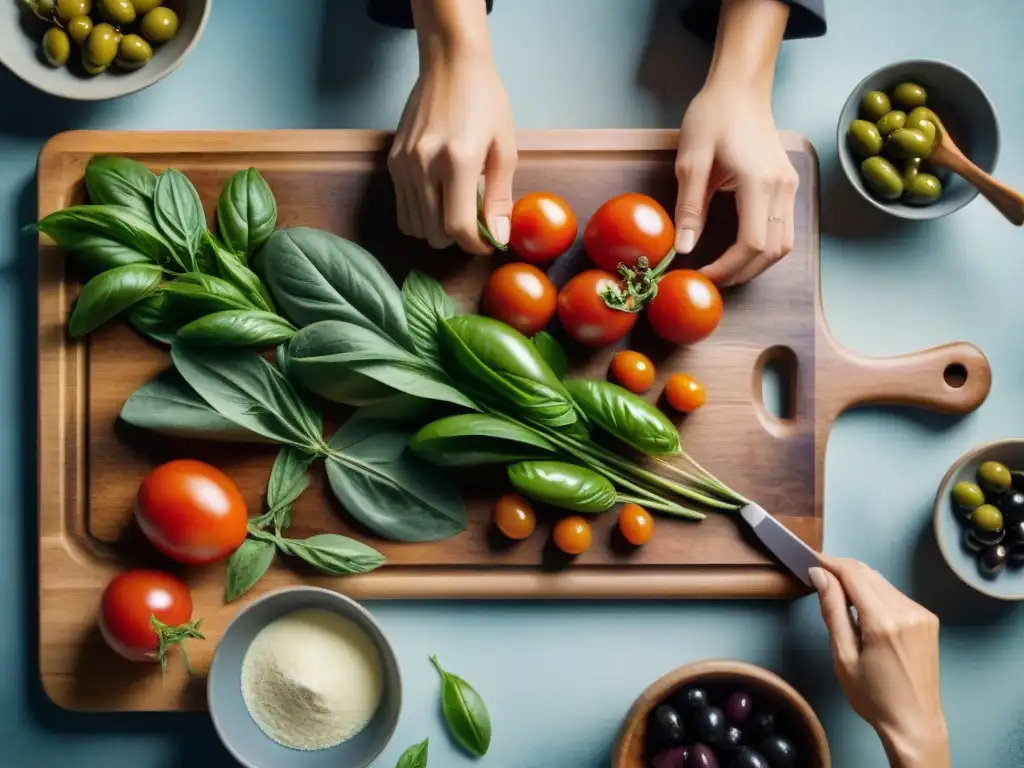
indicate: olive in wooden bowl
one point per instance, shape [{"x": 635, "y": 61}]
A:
[{"x": 721, "y": 714}]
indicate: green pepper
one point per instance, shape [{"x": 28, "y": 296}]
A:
[
  {"x": 469, "y": 439},
  {"x": 622, "y": 414},
  {"x": 563, "y": 485}
]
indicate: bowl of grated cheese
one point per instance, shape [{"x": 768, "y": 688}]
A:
[{"x": 304, "y": 678}]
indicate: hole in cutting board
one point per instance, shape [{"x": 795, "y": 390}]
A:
[
  {"x": 955, "y": 375},
  {"x": 775, "y": 372}
]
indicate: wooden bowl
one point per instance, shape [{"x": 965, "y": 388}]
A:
[{"x": 798, "y": 720}]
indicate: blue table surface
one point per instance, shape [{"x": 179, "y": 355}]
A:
[{"x": 558, "y": 677}]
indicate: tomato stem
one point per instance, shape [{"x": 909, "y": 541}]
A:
[
  {"x": 639, "y": 284},
  {"x": 170, "y": 637}
]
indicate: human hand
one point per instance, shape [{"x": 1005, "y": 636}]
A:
[
  {"x": 887, "y": 661},
  {"x": 728, "y": 141},
  {"x": 457, "y": 123}
]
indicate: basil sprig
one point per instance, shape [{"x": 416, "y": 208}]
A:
[
  {"x": 464, "y": 712},
  {"x": 415, "y": 756}
]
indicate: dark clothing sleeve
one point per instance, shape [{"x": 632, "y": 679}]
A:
[{"x": 398, "y": 13}]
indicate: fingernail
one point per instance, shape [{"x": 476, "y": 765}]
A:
[
  {"x": 686, "y": 240},
  {"x": 818, "y": 580},
  {"x": 502, "y": 229}
]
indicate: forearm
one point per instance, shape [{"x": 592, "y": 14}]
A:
[
  {"x": 747, "y": 45},
  {"x": 931, "y": 751},
  {"x": 451, "y": 26}
]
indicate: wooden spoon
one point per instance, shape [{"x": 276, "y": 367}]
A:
[{"x": 1007, "y": 201}]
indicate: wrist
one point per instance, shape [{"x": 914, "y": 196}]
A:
[
  {"x": 451, "y": 29},
  {"x": 747, "y": 45},
  {"x": 928, "y": 748}
]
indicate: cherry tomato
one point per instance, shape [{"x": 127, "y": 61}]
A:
[
  {"x": 520, "y": 295},
  {"x": 625, "y": 228},
  {"x": 684, "y": 393},
  {"x": 191, "y": 511},
  {"x": 584, "y": 314},
  {"x": 543, "y": 227},
  {"x": 514, "y": 516},
  {"x": 687, "y": 308},
  {"x": 636, "y": 524},
  {"x": 572, "y": 535},
  {"x": 142, "y": 607},
  {"x": 633, "y": 370}
]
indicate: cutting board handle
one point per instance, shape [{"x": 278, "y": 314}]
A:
[{"x": 952, "y": 378}]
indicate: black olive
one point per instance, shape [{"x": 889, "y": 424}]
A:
[
  {"x": 690, "y": 700},
  {"x": 993, "y": 560},
  {"x": 1017, "y": 480},
  {"x": 671, "y": 758},
  {"x": 665, "y": 729},
  {"x": 971, "y": 541},
  {"x": 737, "y": 709},
  {"x": 702, "y": 756},
  {"x": 748, "y": 758},
  {"x": 732, "y": 740},
  {"x": 778, "y": 752},
  {"x": 708, "y": 725},
  {"x": 1012, "y": 506},
  {"x": 761, "y": 726}
]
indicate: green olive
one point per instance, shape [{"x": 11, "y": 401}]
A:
[
  {"x": 79, "y": 28},
  {"x": 891, "y": 121},
  {"x": 995, "y": 476},
  {"x": 905, "y": 142},
  {"x": 134, "y": 52},
  {"x": 142, "y": 7},
  {"x": 987, "y": 517},
  {"x": 968, "y": 495},
  {"x": 865, "y": 140},
  {"x": 882, "y": 178},
  {"x": 56, "y": 47},
  {"x": 917, "y": 114},
  {"x": 118, "y": 11},
  {"x": 92, "y": 69},
  {"x": 874, "y": 105},
  {"x": 69, "y": 9},
  {"x": 909, "y": 95},
  {"x": 160, "y": 25},
  {"x": 101, "y": 47},
  {"x": 922, "y": 189}
]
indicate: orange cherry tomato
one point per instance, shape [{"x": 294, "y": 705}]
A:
[
  {"x": 636, "y": 524},
  {"x": 584, "y": 314},
  {"x": 520, "y": 295},
  {"x": 514, "y": 516},
  {"x": 627, "y": 227},
  {"x": 191, "y": 511},
  {"x": 572, "y": 535},
  {"x": 543, "y": 227},
  {"x": 688, "y": 307},
  {"x": 684, "y": 393},
  {"x": 633, "y": 370}
]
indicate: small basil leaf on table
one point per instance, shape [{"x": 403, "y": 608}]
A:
[
  {"x": 238, "y": 328},
  {"x": 333, "y": 554},
  {"x": 233, "y": 269},
  {"x": 113, "y": 223},
  {"x": 563, "y": 485},
  {"x": 552, "y": 353},
  {"x": 179, "y": 213},
  {"x": 314, "y": 275},
  {"x": 386, "y": 488},
  {"x": 169, "y": 406},
  {"x": 475, "y": 438},
  {"x": 625, "y": 416},
  {"x": 246, "y": 566},
  {"x": 426, "y": 305},
  {"x": 150, "y": 317},
  {"x": 288, "y": 479},
  {"x": 415, "y": 756},
  {"x": 246, "y": 212},
  {"x": 114, "y": 180},
  {"x": 464, "y": 712},
  {"x": 108, "y": 294},
  {"x": 194, "y": 295}
]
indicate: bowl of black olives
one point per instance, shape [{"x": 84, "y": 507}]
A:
[
  {"x": 721, "y": 714},
  {"x": 979, "y": 519}
]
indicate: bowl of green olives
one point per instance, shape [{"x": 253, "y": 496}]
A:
[
  {"x": 892, "y": 121},
  {"x": 90, "y": 50},
  {"x": 979, "y": 519}
]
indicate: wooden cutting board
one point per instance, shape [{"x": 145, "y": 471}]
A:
[{"x": 89, "y": 467}]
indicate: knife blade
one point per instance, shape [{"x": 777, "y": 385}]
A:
[{"x": 781, "y": 542}]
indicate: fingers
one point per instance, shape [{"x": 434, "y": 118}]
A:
[
  {"x": 458, "y": 176},
  {"x": 781, "y": 229},
  {"x": 693, "y": 173},
  {"x": 499, "y": 169},
  {"x": 753, "y": 198},
  {"x": 836, "y": 613}
]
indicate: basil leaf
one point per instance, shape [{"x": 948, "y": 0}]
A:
[
  {"x": 114, "y": 180},
  {"x": 563, "y": 485},
  {"x": 552, "y": 353},
  {"x": 386, "y": 488},
  {"x": 405, "y": 409},
  {"x": 149, "y": 316},
  {"x": 314, "y": 275},
  {"x": 231, "y": 268},
  {"x": 334, "y": 554},
  {"x": 246, "y": 389},
  {"x": 501, "y": 367},
  {"x": 168, "y": 406},
  {"x": 464, "y": 712},
  {"x": 475, "y": 438},
  {"x": 194, "y": 295},
  {"x": 108, "y": 294},
  {"x": 622, "y": 414},
  {"x": 415, "y": 756},
  {"x": 289, "y": 478},
  {"x": 246, "y": 212},
  {"x": 426, "y": 305},
  {"x": 98, "y": 253},
  {"x": 179, "y": 213},
  {"x": 112, "y": 223},
  {"x": 246, "y": 566},
  {"x": 238, "y": 328}
]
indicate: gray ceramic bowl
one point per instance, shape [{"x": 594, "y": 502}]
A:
[
  {"x": 20, "y": 39},
  {"x": 235, "y": 726},
  {"x": 966, "y": 112},
  {"x": 1008, "y": 585}
]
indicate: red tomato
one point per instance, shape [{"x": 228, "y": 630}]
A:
[
  {"x": 687, "y": 308},
  {"x": 633, "y": 370},
  {"x": 684, "y": 393},
  {"x": 543, "y": 227},
  {"x": 520, "y": 295},
  {"x": 129, "y": 606},
  {"x": 191, "y": 511},
  {"x": 584, "y": 314},
  {"x": 627, "y": 227}
]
